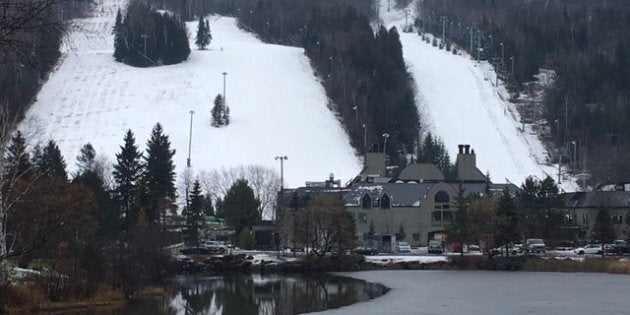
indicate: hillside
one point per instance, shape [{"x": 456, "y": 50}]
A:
[
  {"x": 277, "y": 105},
  {"x": 458, "y": 101}
]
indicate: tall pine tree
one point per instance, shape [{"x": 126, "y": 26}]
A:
[
  {"x": 51, "y": 163},
  {"x": 218, "y": 111},
  {"x": 86, "y": 159},
  {"x": 203, "y": 34},
  {"x": 18, "y": 162},
  {"x": 160, "y": 176},
  {"x": 194, "y": 215},
  {"x": 120, "y": 45},
  {"x": 128, "y": 172}
]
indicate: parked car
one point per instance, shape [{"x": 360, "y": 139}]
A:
[
  {"x": 217, "y": 246},
  {"x": 403, "y": 247},
  {"x": 618, "y": 247},
  {"x": 434, "y": 247},
  {"x": 473, "y": 248},
  {"x": 366, "y": 250},
  {"x": 535, "y": 246},
  {"x": 589, "y": 249}
]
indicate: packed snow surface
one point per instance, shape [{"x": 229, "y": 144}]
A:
[
  {"x": 459, "y": 101},
  {"x": 277, "y": 105}
]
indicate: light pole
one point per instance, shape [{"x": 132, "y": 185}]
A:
[
  {"x": 575, "y": 166},
  {"x": 251, "y": 18},
  {"x": 385, "y": 136},
  {"x": 356, "y": 114},
  {"x": 224, "y": 96},
  {"x": 145, "y": 37},
  {"x": 512, "y": 71},
  {"x": 502, "y": 54},
  {"x": 192, "y": 112},
  {"x": 490, "y": 36},
  {"x": 365, "y": 137},
  {"x": 479, "y": 51},
  {"x": 282, "y": 159}
]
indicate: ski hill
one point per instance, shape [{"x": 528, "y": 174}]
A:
[
  {"x": 277, "y": 105},
  {"x": 459, "y": 102}
]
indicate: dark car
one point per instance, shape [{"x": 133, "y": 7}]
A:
[
  {"x": 366, "y": 250},
  {"x": 618, "y": 247}
]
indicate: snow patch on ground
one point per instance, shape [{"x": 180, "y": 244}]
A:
[
  {"x": 385, "y": 260},
  {"x": 277, "y": 105}
]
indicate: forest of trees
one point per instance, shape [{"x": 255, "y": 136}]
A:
[
  {"x": 586, "y": 42},
  {"x": 363, "y": 73},
  {"x": 145, "y": 37}
]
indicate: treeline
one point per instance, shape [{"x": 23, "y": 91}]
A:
[
  {"x": 363, "y": 72},
  {"x": 30, "y": 36},
  {"x": 146, "y": 38},
  {"x": 585, "y": 42},
  {"x": 83, "y": 233}
]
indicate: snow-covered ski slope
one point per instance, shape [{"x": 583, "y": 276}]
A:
[
  {"x": 458, "y": 101},
  {"x": 278, "y": 107}
]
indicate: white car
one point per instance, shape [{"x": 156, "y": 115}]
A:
[
  {"x": 589, "y": 249},
  {"x": 403, "y": 247}
]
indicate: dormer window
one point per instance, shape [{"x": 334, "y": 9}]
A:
[
  {"x": 385, "y": 202},
  {"x": 366, "y": 202}
]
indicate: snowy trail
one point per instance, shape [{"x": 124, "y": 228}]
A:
[
  {"x": 458, "y": 101},
  {"x": 278, "y": 107}
]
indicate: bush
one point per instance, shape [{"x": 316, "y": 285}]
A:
[{"x": 246, "y": 240}]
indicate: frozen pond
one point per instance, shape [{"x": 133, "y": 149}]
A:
[{"x": 493, "y": 292}]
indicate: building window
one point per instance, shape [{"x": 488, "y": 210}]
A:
[
  {"x": 366, "y": 202},
  {"x": 585, "y": 219},
  {"x": 385, "y": 203},
  {"x": 616, "y": 219},
  {"x": 362, "y": 217},
  {"x": 442, "y": 197}
]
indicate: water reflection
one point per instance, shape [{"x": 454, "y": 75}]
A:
[{"x": 255, "y": 294}]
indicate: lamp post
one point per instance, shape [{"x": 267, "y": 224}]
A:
[
  {"x": 251, "y": 18},
  {"x": 282, "y": 159},
  {"x": 192, "y": 112},
  {"x": 385, "y": 136},
  {"x": 364, "y": 137},
  {"x": 575, "y": 166},
  {"x": 512, "y": 71},
  {"x": 356, "y": 114}
]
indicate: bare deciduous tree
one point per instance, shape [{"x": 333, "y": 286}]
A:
[{"x": 264, "y": 181}]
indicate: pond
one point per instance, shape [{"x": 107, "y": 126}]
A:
[{"x": 253, "y": 294}]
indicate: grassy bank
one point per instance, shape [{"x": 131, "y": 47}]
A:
[{"x": 25, "y": 298}]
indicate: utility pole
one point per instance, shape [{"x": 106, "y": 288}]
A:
[
  {"x": 192, "y": 112},
  {"x": 365, "y": 138}
]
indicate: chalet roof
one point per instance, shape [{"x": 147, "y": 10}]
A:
[
  {"x": 596, "y": 199},
  {"x": 400, "y": 194},
  {"x": 424, "y": 171}
]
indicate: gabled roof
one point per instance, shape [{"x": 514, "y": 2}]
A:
[
  {"x": 400, "y": 194},
  {"x": 424, "y": 171},
  {"x": 596, "y": 199}
]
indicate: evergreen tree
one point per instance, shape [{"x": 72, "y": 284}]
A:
[
  {"x": 86, "y": 158},
  {"x": 120, "y": 45},
  {"x": 508, "y": 220},
  {"x": 603, "y": 229},
  {"x": 241, "y": 206},
  {"x": 51, "y": 163},
  {"x": 128, "y": 172},
  {"x": 18, "y": 162},
  {"x": 160, "y": 175},
  {"x": 217, "y": 111},
  {"x": 227, "y": 115},
  {"x": 203, "y": 34},
  {"x": 194, "y": 215}
]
